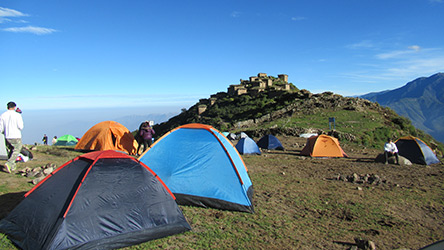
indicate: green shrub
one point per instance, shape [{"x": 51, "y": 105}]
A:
[{"x": 402, "y": 122}]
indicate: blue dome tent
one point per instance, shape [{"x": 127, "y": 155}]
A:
[
  {"x": 202, "y": 168},
  {"x": 247, "y": 146},
  {"x": 270, "y": 142}
]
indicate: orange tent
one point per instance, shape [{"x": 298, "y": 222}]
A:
[
  {"x": 323, "y": 146},
  {"x": 108, "y": 135}
]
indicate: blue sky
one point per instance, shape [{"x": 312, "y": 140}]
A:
[{"x": 114, "y": 53}]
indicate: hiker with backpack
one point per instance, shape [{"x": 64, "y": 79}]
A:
[{"x": 145, "y": 136}]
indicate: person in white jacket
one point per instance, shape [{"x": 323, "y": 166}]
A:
[
  {"x": 389, "y": 150},
  {"x": 11, "y": 125}
]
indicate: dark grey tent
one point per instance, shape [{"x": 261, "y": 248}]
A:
[
  {"x": 416, "y": 150},
  {"x": 439, "y": 245},
  {"x": 99, "y": 200}
]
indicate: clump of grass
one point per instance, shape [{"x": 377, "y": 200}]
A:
[
  {"x": 55, "y": 150},
  {"x": 5, "y": 243}
]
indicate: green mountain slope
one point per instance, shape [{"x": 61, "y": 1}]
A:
[{"x": 421, "y": 100}]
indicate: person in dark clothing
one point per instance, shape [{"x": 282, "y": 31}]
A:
[
  {"x": 45, "y": 139},
  {"x": 145, "y": 136}
]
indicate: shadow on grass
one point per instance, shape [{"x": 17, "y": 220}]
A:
[
  {"x": 282, "y": 152},
  {"x": 9, "y": 201}
]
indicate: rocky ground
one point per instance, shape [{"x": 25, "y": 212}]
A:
[{"x": 393, "y": 206}]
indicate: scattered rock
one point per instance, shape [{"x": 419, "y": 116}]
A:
[
  {"x": 37, "y": 180},
  {"x": 30, "y": 174},
  {"x": 37, "y": 169},
  {"x": 48, "y": 171},
  {"x": 354, "y": 178},
  {"x": 39, "y": 173},
  {"x": 372, "y": 179}
]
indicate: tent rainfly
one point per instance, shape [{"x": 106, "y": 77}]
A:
[
  {"x": 270, "y": 142},
  {"x": 66, "y": 140},
  {"x": 108, "y": 135},
  {"x": 99, "y": 200},
  {"x": 323, "y": 146},
  {"x": 247, "y": 146},
  {"x": 416, "y": 150},
  {"x": 202, "y": 168}
]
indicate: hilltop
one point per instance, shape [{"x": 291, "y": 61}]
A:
[
  {"x": 291, "y": 111},
  {"x": 421, "y": 100}
]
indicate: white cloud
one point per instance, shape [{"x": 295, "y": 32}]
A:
[
  {"x": 423, "y": 66},
  {"x": 235, "y": 14},
  {"x": 298, "y": 18},
  {"x": 9, "y": 16},
  {"x": 8, "y": 20},
  {"x": 5, "y": 12},
  {"x": 31, "y": 29},
  {"x": 361, "y": 45},
  {"x": 398, "y": 53},
  {"x": 395, "y": 68},
  {"x": 4, "y": 20},
  {"x": 415, "y": 47}
]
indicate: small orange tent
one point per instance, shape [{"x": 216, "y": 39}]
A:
[
  {"x": 108, "y": 135},
  {"x": 323, "y": 146}
]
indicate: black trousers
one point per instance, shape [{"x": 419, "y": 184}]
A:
[
  {"x": 388, "y": 154},
  {"x": 145, "y": 143}
]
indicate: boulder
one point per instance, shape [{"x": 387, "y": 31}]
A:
[{"x": 392, "y": 160}]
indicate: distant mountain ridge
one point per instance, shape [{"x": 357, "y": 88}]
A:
[{"x": 421, "y": 100}]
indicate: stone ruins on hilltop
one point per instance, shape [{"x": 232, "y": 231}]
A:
[
  {"x": 253, "y": 86},
  {"x": 259, "y": 83}
]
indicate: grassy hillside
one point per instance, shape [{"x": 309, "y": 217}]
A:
[{"x": 358, "y": 121}]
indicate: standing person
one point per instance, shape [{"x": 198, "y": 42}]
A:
[
  {"x": 11, "y": 125},
  {"x": 145, "y": 136},
  {"x": 389, "y": 150},
  {"x": 45, "y": 139}
]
